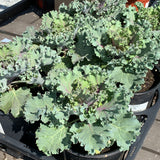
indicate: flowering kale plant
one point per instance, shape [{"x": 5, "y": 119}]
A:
[{"x": 76, "y": 75}]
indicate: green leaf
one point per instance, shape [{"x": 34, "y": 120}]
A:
[
  {"x": 65, "y": 84},
  {"x": 52, "y": 140},
  {"x": 83, "y": 49},
  {"x": 92, "y": 137},
  {"x": 96, "y": 79},
  {"x": 37, "y": 107},
  {"x": 124, "y": 129},
  {"x": 130, "y": 15},
  {"x": 3, "y": 85},
  {"x": 101, "y": 112},
  {"x": 76, "y": 58},
  {"x": 42, "y": 55},
  {"x": 126, "y": 79},
  {"x": 14, "y": 100}
]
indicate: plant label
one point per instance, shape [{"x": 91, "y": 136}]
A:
[{"x": 1, "y": 129}]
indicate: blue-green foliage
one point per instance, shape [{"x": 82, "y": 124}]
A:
[{"x": 78, "y": 73}]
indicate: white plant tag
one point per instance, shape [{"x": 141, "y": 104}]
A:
[
  {"x": 5, "y": 40},
  {"x": 138, "y": 107},
  {"x": 147, "y": 4},
  {"x": 1, "y": 129}
]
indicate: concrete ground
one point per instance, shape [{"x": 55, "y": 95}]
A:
[
  {"x": 151, "y": 147},
  {"x": 16, "y": 26}
]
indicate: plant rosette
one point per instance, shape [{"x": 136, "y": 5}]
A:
[
  {"x": 143, "y": 100},
  {"x": 76, "y": 75}
]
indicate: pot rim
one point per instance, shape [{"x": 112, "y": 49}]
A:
[
  {"x": 152, "y": 89},
  {"x": 104, "y": 155}
]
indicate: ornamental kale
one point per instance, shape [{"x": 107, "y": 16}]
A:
[{"x": 77, "y": 74}]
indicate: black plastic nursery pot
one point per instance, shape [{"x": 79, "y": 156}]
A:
[
  {"x": 17, "y": 138},
  {"x": 147, "y": 118},
  {"x": 143, "y": 100},
  {"x": 112, "y": 155},
  {"x": 14, "y": 9}
]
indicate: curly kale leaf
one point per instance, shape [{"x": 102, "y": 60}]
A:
[
  {"x": 37, "y": 108},
  {"x": 119, "y": 76},
  {"x": 92, "y": 137},
  {"x": 41, "y": 56},
  {"x": 124, "y": 128},
  {"x": 53, "y": 140},
  {"x": 152, "y": 15},
  {"x": 57, "y": 22},
  {"x": 82, "y": 49},
  {"x": 38, "y": 59},
  {"x": 14, "y": 101},
  {"x": 3, "y": 85},
  {"x": 66, "y": 81},
  {"x": 13, "y": 50},
  {"x": 9, "y": 71},
  {"x": 95, "y": 8}
]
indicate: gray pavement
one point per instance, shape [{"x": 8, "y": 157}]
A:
[
  {"x": 17, "y": 25},
  {"x": 14, "y": 27},
  {"x": 151, "y": 147}
]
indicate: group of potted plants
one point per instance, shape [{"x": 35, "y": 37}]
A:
[{"x": 76, "y": 76}]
